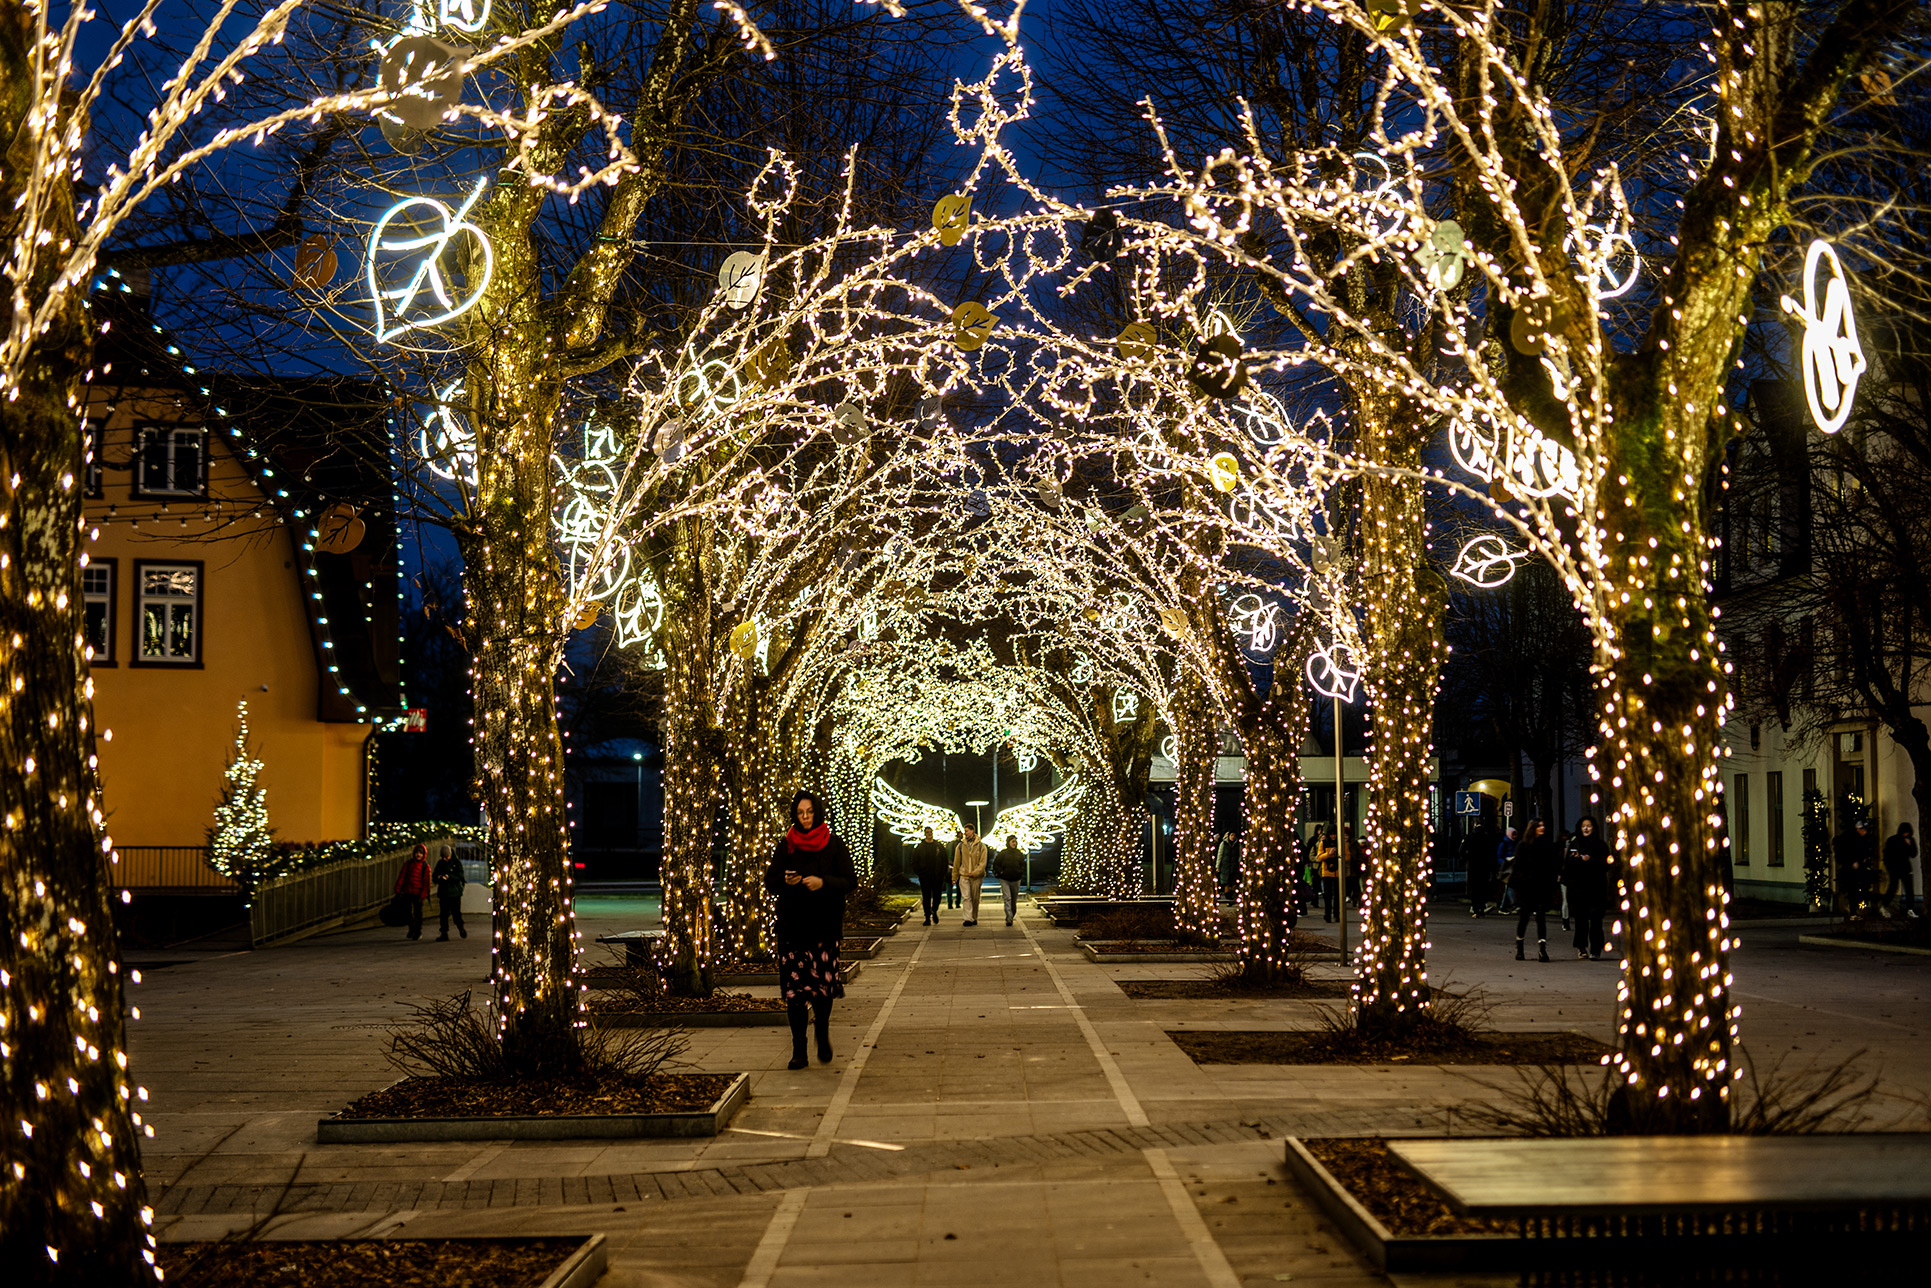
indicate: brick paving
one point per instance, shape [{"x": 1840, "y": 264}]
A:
[{"x": 1014, "y": 1118}]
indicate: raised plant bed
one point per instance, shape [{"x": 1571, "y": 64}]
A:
[
  {"x": 1316, "y": 1046},
  {"x": 1431, "y": 1236},
  {"x": 769, "y": 978},
  {"x": 706, "y": 1114},
  {"x": 1151, "y": 951},
  {"x": 663, "y": 1010},
  {"x": 860, "y": 948},
  {"x": 1897, "y": 943},
  {"x": 1167, "y": 990},
  {"x": 382, "y": 1263}
]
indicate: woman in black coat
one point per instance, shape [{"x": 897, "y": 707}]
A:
[
  {"x": 1533, "y": 877},
  {"x": 1585, "y": 872},
  {"x": 811, "y": 874}
]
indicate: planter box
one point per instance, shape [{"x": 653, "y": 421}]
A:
[
  {"x": 1393, "y": 1254},
  {"x": 582, "y": 1268},
  {"x": 1869, "y": 945},
  {"x": 688, "y": 1019},
  {"x": 383, "y": 1131},
  {"x": 861, "y": 948},
  {"x": 1101, "y": 951}
]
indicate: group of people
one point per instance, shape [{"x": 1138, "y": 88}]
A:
[
  {"x": 417, "y": 878},
  {"x": 1858, "y": 869},
  {"x": 956, "y": 873},
  {"x": 1532, "y": 872}
]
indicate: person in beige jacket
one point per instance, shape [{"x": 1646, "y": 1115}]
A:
[{"x": 969, "y": 870}]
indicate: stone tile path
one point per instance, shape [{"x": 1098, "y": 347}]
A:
[{"x": 998, "y": 1111}]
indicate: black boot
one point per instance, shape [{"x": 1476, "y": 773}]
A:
[
  {"x": 1542, "y": 950},
  {"x": 797, "y": 1012},
  {"x": 1518, "y": 951},
  {"x": 821, "y": 1021}
]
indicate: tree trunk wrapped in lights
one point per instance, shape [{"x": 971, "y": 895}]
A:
[
  {"x": 1406, "y": 599},
  {"x": 690, "y": 778},
  {"x": 1196, "y": 735}
]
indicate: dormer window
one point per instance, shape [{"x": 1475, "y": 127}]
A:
[{"x": 172, "y": 461}]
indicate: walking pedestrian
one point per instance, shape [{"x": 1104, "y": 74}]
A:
[
  {"x": 1227, "y": 861},
  {"x": 1532, "y": 876},
  {"x": 448, "y": 877},
  {"x": 969, "y": 871},
  {"x": 1330, "y": 860},
  {"x": 1478, "y": 861},
  {"x": 1857, "y": 866},
  {"x": 413, "y": 884},
  {"x": 932, "y": 871},
  {"x": 1585, "y": 875},
  {"x": 1504, "y": 861},
  {"x": 1900, "y": 849},
  {"x": 1009, "y": 866},
  {"x": 811, "y": 873},
  {"x": 1351, "y": 861}
]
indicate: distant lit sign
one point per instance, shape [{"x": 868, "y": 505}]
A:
[{"x": 415, "y": 720}]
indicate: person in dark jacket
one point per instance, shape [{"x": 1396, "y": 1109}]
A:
[
  {"x": 448, "y": 877},
  {"x": 933, "y": 869},
  {"x": 1009, "y": 867},
  {"x": 413, "y": 884},
  {"x": 1533, "y": 877},
  {"x": 1585, "y": 875},
  {"x": 1857, "y": 866},
  {"x": 811, "y": 873},
  {"x": 1900, "y": 850},
  {"x": 1478, "y": 861}
]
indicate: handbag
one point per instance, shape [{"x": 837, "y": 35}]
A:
[{"x": 395, "y": 912}]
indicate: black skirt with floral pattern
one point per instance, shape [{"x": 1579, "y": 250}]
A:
[{"x": 810, "y": 972}]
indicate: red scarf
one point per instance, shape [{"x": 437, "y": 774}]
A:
[{"x": 815, "y": 839}]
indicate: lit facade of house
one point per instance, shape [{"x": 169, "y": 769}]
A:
[{"x": 216, "y": 574}]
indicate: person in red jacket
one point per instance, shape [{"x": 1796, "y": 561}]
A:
[{"x": 413, "y": 883}]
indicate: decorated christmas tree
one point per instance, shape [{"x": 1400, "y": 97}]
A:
[{"x": 241, "y": 841}]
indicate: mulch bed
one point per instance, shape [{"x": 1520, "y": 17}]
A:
[
  {"x": 1173, "y": 989},
  {"x": 1399, "y": 1199},
  {"x": 368, "y": 1263},
  {"x": 1272, "y": 1046},
  {"x": 665, "y": 1004},
  {"x": 663, "y": 1093}
]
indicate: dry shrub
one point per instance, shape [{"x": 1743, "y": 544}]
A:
[
  {"x": 1452, "y": 1021},
  {"x": 1568, "y": 1100},
  {"x": 1133, "y": 925},
  {"x": 454, "y": 1038},
  {"x": 1234, "y": 975}
]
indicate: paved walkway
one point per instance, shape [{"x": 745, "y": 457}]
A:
[{"x": 998, "y": 1109}]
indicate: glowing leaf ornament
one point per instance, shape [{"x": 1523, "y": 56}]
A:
[
  {"x": 415, "y": 258},
  {"x": 339, "y": 529},
  {"x": 1223, "y": 471},
  {"x": 1391, "y": 16},
  {"x": 848, "y": 423},
  {"x": 426, "y": 75},
  {"x": 1334, "y": 673},
  {"x": 315, "y": 262},
  {"x": 951, "y": 215},
  {"x": 447, "y": 444},
  {"x": 463, "y": 15},
  {"x": 930, "y": 415},
  {"x": 1833, "y": 360},
  {"x": 1486, "y": 561},
  {"x": 972, "y": 324},
  {"x": 1102, "y": 237},
  {"x": 1137, "y": 341},
  {"x": 1444, "y": 256},
  {"x": 1174, "y": 620},
  {"x": 1602, "y": 245},
  {"x": 744, "y": 640},
  {"x": 740, "y": 275},
  {"x": 1218, "y": 369}
]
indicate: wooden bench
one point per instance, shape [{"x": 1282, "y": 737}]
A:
[{"x": 637, "y": 946}]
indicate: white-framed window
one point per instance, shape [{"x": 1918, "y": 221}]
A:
[
  {"x": 94, "y": 435},
  {"x": 173, "y": 461},
  {"x": 97, "y": 608},
  {"x": 168, "y": 605}
]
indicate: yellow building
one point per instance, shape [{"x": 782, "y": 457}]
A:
[{"x": 223, "y": 565}]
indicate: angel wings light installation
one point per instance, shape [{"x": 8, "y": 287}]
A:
[{"x": 1034, "y": 823}]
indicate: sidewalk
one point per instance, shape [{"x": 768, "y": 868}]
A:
[{"x": 998, "y": 1111}]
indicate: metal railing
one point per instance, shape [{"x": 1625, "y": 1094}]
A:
[
  {"x": 317, "y": 899},
  {"x": 183, "y": 868}
]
